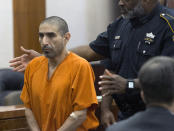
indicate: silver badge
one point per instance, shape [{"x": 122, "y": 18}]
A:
[{"x": 149, "y": 38}]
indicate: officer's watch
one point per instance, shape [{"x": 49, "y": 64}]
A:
[{"x": 130, "y": 84}]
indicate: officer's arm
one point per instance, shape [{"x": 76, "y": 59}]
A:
[
  {"x": 167, "y": 43},
  {"x": 137, "y": 85},
  {"x": 87, "y": 53}
]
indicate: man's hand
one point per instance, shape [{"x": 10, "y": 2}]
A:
[
  {"x": 33, "y": 125},
  {"x": 112, "y": 84},
  {"x": 107, "y": 118},
  {"x": 20, "y": 63}
]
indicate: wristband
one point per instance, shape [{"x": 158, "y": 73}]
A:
[
  {"x": 130, "y": 84},
  {"x": 73, "y": 115}
]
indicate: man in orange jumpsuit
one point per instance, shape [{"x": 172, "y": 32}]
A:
[{"x": 58, "y": 92}]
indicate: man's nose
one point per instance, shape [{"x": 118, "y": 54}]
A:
[
  {"x": 45, "y": 40},
  {"x": 120, "y": 3}
]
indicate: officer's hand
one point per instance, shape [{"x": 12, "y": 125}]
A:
[
  {"x": 21, "y": 62},
  {"x": 107, "y": 118},
  {"x": 112, "y": 83}
]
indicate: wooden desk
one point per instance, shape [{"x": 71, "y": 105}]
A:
[{"x": 12, "y": 118}]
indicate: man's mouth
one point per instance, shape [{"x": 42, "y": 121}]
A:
[
  {"x": 46, "y": 50},
  {"x": 123, "y": 11}
]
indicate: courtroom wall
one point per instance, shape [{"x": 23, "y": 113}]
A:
[
  {"x": 86, "y": 18},
  {"x": 6, "y": 32}
]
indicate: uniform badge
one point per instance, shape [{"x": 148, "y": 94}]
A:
[
  {"x": 117, "y": 37},
  {"x": 149, "y": 38}
]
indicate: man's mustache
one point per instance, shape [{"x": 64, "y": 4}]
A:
[{"x": 46, "y": 47}]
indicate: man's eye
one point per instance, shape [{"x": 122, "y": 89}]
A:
[
  {"x": 51, "y": 35},
  {"x": 41, "y": 35}
]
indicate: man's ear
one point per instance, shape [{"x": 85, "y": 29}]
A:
[
  {"x": 67, "y": 36},
  {"x": 142, "y": 96}
]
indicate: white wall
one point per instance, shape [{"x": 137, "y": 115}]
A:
[
  {"x": 86, "y": 18},
  {"x": 6, "y": 33}
]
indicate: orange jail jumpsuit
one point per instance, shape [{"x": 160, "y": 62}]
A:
[{"x": 70, "y": 88}]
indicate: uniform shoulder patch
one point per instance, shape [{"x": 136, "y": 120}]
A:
[{"x": 169, "y": 19}]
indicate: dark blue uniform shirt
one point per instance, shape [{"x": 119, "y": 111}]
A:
[{"x": 128, "y": 43}]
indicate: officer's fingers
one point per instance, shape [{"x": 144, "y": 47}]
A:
[
  {"x": 24, "y": 57},
  {"x": 15, "y": 59},
  {"x": 106, "y": 88},
  {"x": 15, "y": 64},
  {"x": 111, "y": 87},
  {"x": 25, "y": 50},
  {"x": 106, "y": 77},
  {"x": 20, "y": 68},
  {"x": 107, "y": 72},
  {"x": 106, "y": 82},
  {"x": 113, "y": 76}
]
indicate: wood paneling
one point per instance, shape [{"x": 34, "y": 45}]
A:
[
  {"x": 170, "y": 3},
  {"x": 27, "y": 16}
]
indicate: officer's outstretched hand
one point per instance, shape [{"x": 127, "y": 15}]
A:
[
  {"x": 20, "y": 63},
  {"x": 112, "y": 83},
  {"x": 107, "y": 118}
]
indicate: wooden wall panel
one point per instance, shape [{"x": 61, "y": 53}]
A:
[
  {"x": 170, "y": 3},
  {"x": 27, "y": 16}
]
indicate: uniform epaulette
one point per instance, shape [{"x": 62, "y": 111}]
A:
[{"x": 169, "y": 19}]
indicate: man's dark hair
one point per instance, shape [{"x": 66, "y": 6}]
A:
[
  {"x": 157, "y": 80},
  {"x": 59, "y": 22}
]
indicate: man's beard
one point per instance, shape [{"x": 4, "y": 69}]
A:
[{"x": 137, "y": 11}]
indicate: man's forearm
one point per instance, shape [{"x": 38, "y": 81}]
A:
[
  {"x": 106, "y": 103},
  {"x": 87, "y": 53},
  {"x": 31, "y": 120},
  {"x": 137, "y": 84},
  {"x": 74, "y": 121}
]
